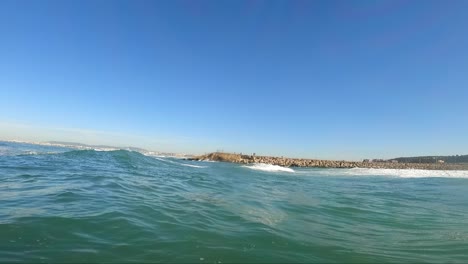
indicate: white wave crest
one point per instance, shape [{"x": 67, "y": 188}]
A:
[
  {"x": 26, "y": 153},
  {"x": 193, "y": 166},
  {"x": 402, "y": 173},
  {"x": 162, "y": 159},
  {"x": 105, "y": 149},
  {"x": 178, "y": 163},
  {"x": 412, "y": 173},
  {"x": 268, "y": 167}
]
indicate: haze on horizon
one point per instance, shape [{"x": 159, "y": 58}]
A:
[{"x": 317, "y": 79}]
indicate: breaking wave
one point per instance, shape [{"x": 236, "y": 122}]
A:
[
  {"x": 193, "y": 166},
  {"x": 123, "y": 206},
  {"x": 402, "y": 173},
  {"x": 268, "y": 167}
]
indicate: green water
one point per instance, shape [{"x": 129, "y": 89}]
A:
[{"x": 62, "y": 205}]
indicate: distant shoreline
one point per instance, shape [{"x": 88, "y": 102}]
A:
[
  {"x": 315, "y": 163},
  {"x": 82, "y": 146}
]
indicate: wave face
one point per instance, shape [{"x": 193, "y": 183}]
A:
[{"x": 63, "y": 205}]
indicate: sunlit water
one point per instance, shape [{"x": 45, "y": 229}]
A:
[{"x": 63, "y": 205}]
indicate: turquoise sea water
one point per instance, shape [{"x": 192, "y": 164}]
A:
[{"x": 64, "y": 205}]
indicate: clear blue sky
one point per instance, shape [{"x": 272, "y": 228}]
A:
[{"x": 324, "y": 79}]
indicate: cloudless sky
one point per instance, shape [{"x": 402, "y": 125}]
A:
[{"x": 319, "y": 79}]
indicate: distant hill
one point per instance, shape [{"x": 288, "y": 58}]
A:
[{"x": 434, "y": 159}]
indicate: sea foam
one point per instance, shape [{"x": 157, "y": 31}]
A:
[
  {"x": 193, "y": 166},
  {"x": 401, "y": 173},
  {"x": 268, "y": 167},
  {"x": 178, "y": 163}
]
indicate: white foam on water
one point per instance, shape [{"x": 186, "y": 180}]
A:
[
  {"x": 153, "y": 155},
  {"x": 268, "y": 167},
  {"x": 25, "y": 152},
  {"x": 105, "y": 149},
  {"x": 178, "y": 163},
  {"x": 193, "y": 166},
  {"x": 412, "y": 173},
  {"x": 162, "y": 159},
  {"x": 402, "y": 173}
]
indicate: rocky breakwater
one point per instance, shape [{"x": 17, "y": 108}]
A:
[{"x": 290, "y": 162}]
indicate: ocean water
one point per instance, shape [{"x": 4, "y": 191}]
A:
[{"x": 63, "y": 205}]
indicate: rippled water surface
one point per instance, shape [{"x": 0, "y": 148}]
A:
[{"x": 64, "y": 205}]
